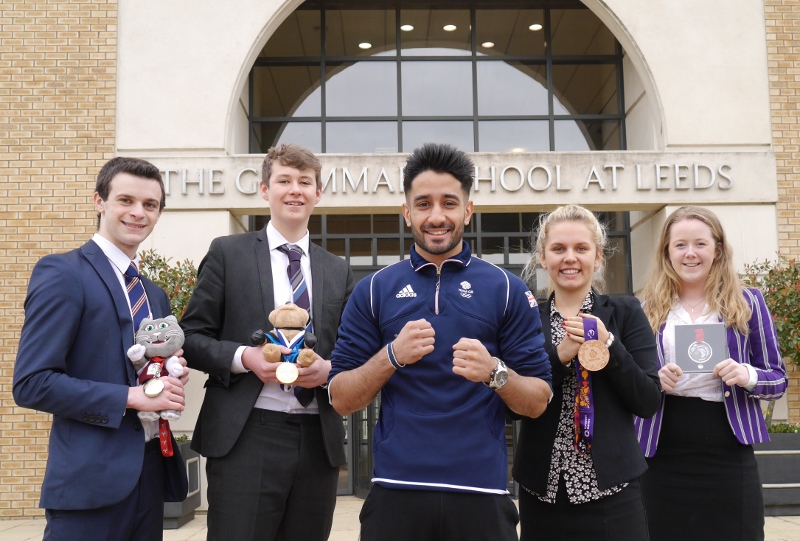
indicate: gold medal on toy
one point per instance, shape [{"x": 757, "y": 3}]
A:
[
  {"x": 287, "y": 373},
  {"x": 153, "y": 387}
]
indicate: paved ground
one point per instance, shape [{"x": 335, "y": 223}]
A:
[{"x": 345, "y": 526}]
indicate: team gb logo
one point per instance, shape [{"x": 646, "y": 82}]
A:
[{"x": 466, "y": 289}]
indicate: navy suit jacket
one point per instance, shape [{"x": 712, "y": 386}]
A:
[{"x": 72, "y": 362}]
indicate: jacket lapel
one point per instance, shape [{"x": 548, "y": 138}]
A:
[
  {"x": 264, "y": 263},
  {"x": 317, "y": 281},
  {"x": 602, "y": 310},
  {"x": 92, "y": 252}
]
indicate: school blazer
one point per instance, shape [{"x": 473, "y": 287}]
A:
[{"x": 760, "y": 350}]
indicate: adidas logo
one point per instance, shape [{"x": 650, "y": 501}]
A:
[{"x": 406, "y": 292}]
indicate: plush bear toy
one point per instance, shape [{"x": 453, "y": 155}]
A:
[
  {"x": 289, "y": 322},
  {"x": 156, "y": 341}
]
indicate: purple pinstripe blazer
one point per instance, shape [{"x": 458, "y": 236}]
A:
[{"x": 760, "y": 350}]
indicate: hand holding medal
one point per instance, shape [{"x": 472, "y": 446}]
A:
[{"x": 593, "y": 354}]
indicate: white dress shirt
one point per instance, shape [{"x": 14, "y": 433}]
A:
[
  {"x": 273, "y": 396},
  {"x": 120, "y": 263}
]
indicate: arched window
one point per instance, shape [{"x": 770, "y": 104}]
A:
[{"x": 375, "y": 77}]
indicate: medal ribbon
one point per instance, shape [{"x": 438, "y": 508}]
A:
[
  {"x": 584, "y": 401},
  {"x": 165, "y": 437}
]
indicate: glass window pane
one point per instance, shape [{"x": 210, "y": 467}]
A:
[
  {"x": 350, "y": 224},
  {"x": 585, "y": 89},
  {"x": 519, "y": 250},
  {"x": 264, "y": 135},
  {"x": 509, "y": 30},
  {"x": 315, "y": 225},
  {"x": 437, "y": 88},
  {"x": 514, "y": 136},
  {"x": 386, "y": 223},
  {"x": 579, "y": 32},
  {"x": 428, "y": 32},
  {"x": 361, "y": 137},
  {"x": 578, "y": 135},
  {"x": 336, "y": 247},
  {"x": 492, "y": 249},
  {"x": 617, "y": 269},
  {"x": 500, "y": 222},
  {"x": 286, "y": 91},
  {"x": 512, "y": 88},
  {"x": 346, "y": 30},
  {"x": 388, "y": 251},
  {"x": 361, "y": 248},
  {"x": 361, "y": 89},
  {"x": 614, "y": 221},
  {"x": 299, "y": 35},
  {"x": 458, "y": 134}
]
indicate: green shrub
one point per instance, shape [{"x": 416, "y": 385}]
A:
[
  {"x": 779, "y": 281},
  {"x": 783, "y": 428},
  {"x": 178, "y": 281}
]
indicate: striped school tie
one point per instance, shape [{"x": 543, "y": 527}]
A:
[
  {"x": 136, "y": 296},
  {"x": 300, "y": 298}
]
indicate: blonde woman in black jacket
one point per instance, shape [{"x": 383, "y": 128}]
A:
[{"x": 578, "y": 465}]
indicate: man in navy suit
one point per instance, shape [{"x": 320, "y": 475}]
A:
[{"x": 106, "y": 477}]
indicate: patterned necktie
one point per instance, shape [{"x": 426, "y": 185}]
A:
[
  {"x": 136, "y": 296},
  {"x": 300, "y": 298},
  {"x": 295, "y": 272}
]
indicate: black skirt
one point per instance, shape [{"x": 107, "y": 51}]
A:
[
  {"x": 619, "y": 517},
  {"x": 702, "y": 483}
]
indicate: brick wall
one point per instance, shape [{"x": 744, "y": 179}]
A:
[
  {"x": 57, "y": 107},
  {"x": 783, "y": 50}
]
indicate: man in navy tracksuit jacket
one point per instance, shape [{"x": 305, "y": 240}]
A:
[{"x": 449, "y": 341}]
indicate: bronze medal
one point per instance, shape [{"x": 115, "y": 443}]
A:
[
  {"x": 287, "y": 373},
  {"x": 593, "y": 355}
]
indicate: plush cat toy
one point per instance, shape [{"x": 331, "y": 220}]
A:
[
  {"x": 289, "y": 322},
  {"x": 156, "y": 341}
]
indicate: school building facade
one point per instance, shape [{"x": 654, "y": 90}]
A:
[{"x": 631, "y": 110}]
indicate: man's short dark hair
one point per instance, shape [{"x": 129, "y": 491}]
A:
[
  {"x": 290, "y": 155},
  {"x": 132, "y": 166},
  {"x": 440, "y": 158}
]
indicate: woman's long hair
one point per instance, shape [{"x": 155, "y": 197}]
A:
[
  {"x": 723, "y": 288},
  {"x": 567, "y": 213}
]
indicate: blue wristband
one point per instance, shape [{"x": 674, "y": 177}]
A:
[{"x": 392, "y": 358}]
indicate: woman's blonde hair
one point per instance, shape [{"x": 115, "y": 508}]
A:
[
  {"x": 723, "y": 287},
  {"x": 567, "y": 213}
]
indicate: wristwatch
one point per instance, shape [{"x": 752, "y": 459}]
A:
[
  {"x": 499, "y": 376},
  {"x": 153, "y": 387}
]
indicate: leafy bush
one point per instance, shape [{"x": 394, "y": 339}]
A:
[
  {"x": 783, "y": 428},
  {"x": 178, "y": 281},
  {"x": 779, "y": 281}
]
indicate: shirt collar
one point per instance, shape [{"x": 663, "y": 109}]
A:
[
  {"x": 117, "y": 257},
  {"x": 463, "y": 257},
  {"x": 276, "y": 239}
]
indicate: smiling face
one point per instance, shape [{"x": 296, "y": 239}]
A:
[
  {"x": 691, "y": 251},
  {"x": 570, "y": 256},
  {"x": 437, "y": 209},
  {"x": 130, "y": 212},
  {"x": 292, "y": 195}
]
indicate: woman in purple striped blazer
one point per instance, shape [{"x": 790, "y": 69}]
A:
[{"x": 702, "y": 481}]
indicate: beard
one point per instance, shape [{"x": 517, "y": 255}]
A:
[{"x": 457, "y": 234}]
